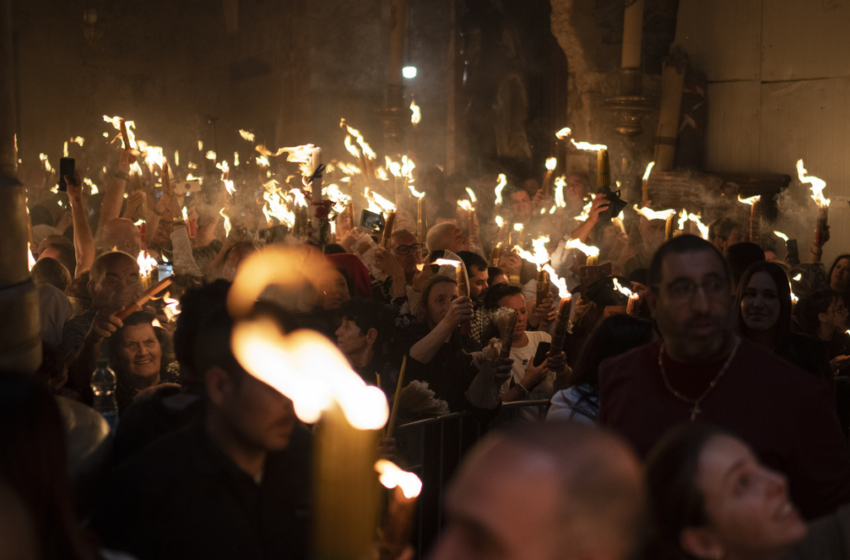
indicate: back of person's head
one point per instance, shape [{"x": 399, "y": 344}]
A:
[
  {"x": 783, "y": 294},
  {"x": 682, "y": 244},
  {"x": 471, "y": 259},
  {"x": 493, "y": 272},
  {"x": 495, "y": 295},
  {"x": 51, "y": 271},
  {"x": 204, "y": 256},
  {"x": 583, "y": 486},
  {"x": 40, "y": 215},
  {"x": 369, "y": 314},
  {"x": 33, "y": 460},
  {"x": 437, "y": 237},
  {"x": 813, "y": 305},
  {"x": 615, "y": 335},
  {"x": 741, "y": 256},
  {"x": 722, "y": 228},
  {"x": 195, "y": 306},
  {"x": 334, "y": 249}
]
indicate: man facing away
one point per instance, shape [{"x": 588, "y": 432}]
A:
[
  {"x": 554, "y": 491},
  {"x": 235, "y": 484},
  {"x": 701, "y": 371}
]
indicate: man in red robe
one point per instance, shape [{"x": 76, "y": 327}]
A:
[{"x": 702, "y": 372}]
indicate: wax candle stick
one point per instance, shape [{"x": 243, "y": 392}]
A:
[
  {"x": 463, "y": 291},
  {"x": 632, "y": 308},
  {"x": 404, "y": 489},
  {"x": 386, "y": 240},
  {"x": 561, "y": 326},
  {"x": 137, "y": 305},
  {"x": 495, "y": 254},
  {"x": 542, "y": 285}
]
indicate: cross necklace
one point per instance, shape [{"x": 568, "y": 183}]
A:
[{"x": 696, "y": 402}]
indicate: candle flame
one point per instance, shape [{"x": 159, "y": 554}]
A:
[
  {"x": 540, "y": 256},
  {"x": 352, "y": 149},
  {"x": 304, "y": 155},
  {"x": 585, "y": 212},
  {"x": 156, "y": 323},
  {"x": 78, "y": 140},
  {"x": 560, "y": 183},
  {"x": 648, "y": 170},
  {"x": 781, "y": 235},
  {"x": 43, "y": 157},
  {"x": 30, "y": 258},
  {"x": 407, "y": 167},
  {"x": 751, "y": 200},
  {"x": 235, "y": 159},
  {"x": 146, "y": 263},
  {"x": 817, "y": 185},
  {"x": 563, "y": 133},
  {"x": 347, "y": 168},
  {"x": 588, "y": 146},
  {"x": 381, "y": 174},
  {"x": 65, "y": 150},
  {"x": 556, "y": 280},
  {"x": 551, "y": 163},
  {"x": 416, "y": 193},
  {"x": 172, "y": 306},
  {"x": 588, "y": 250},
  {"x": 246, "y": 135},
  {"x": 129, "y": 125},
  {"x": 211, "y": 155},
  {"x": 794, "y": 298},
  {"x": 465, "y": 204},
  {"x": 300, "y": 199},
  {"x": 798, "y": 277},
  {"x": 176, "y": 157},
  {"x": 471, "y": 194},
  {"x": 393, "y": 166},
  {"x": 500, "y": 221},
  {"x": 503, "y": 181},
  {"x": 263, "y": 161},
  {"x": 651, "y": 214},
  {"x": 200, "y": 146},
  {"x": 415, "y": 113},
  {"x": 447, "y": 262},
  {"x": 385, "y": 204},
  {"x": 392, "y": 476},
  {"x": 518, "y": 227},
  {"x": 367, "y": 151},
  {"x": 620, "y": 288},
  {"x": 226, "y": 222},
  {"x": 92, "y": 186}
]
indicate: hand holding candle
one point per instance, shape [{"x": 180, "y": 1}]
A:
[{"x": 405, "y": 487}]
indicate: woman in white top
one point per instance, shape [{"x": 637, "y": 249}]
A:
[{"x": 617, "y": 334}]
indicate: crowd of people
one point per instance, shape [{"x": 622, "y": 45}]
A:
[{"x": 704, "y": 416}]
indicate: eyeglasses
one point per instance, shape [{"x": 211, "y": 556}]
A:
[
  {"x": 682, "y": 291},
  {"x": 405, "y": 250}
]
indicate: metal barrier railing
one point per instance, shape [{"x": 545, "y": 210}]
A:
[{"x": 433, "y": 448}]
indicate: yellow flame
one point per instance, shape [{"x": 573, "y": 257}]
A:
[
  {"x": 246, "y": 135},
  {"x": 648, "y": 170},
  {"x": 129, "y": 125},
  {"x": 200, "y": 146},
  {"x": 471, "y": 194},
  {"x": 300, "y": 200},
  {"x": 229, "y": 186},
  {"x": 94, "y": 189},
  {"x": 263, "y": 161},
  {"x": 651, "y": 214},
  {"x": 305, "y": 155},
  {"x": 540, "y": 256},
  {"x": 794, "y": 298},
  {"x": 560, "y": 201},
  {"x": 385, "y": 204},
  {"x": 447, "y": 262},
  {"x": 817, "y": 185},
  {"x": 176, "y": 157},
  {"x": 465, "y": 204},
  {"x": 30, "y": 258},
  {"x": 392, "y": 476},
  {"x": 781, "y": 235},
  {"x": 172, "y": 306},
  {"x": 156, "y": 323},
  {"x": 563, "y": 133},
  {"x": 352, "y": 149},
  {"x": 620, "y": 288},
  {"x": 556, "y": 280},
  {"x": 211, "y": 155},
  {"x": 588, "y": 250},
  {"x": 393, "y": 166},
  {"x": 551, "y": 163},
  {"x": 499, "y": 221},
  {"x": 78, "y": 140},
  {"x": 407, "y": 167},
  {"x": 146, "y": 263},
  {"x": 367, "y": 151},
  {"x": 703, "y": 229},
  {"x": 223, "y": 166},
  {"x": 185, "y": 214},
  {"x": 153, "y": 155},
  {"x": 503, "y": 181},
  {"x": 589, "y": 146},
  {"x": 518, "y": 227},
  {"x": 235, "y": 159},
  {"x": 416, "y": 193},
  {"x": 585, "y": 212},
  {"x": 43, "y": 157},
  {"x": 415, "y": 113},
  {"x": 751, "y": 200},
  {"x": 65, "y": 150},
  {"x": 381, "y": 174},
  {"x": 798, "y": 277},
  {"x": 226, "y": 222}
]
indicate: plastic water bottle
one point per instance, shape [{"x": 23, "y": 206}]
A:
[{"x": 103, "y": 384}]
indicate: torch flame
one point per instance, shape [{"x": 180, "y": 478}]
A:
[
  {"x": 499, "y": 221},
  {"x": 246, "y": 135},
  {"x": 407, "y": 167},
  {"x": 303, "y": 155},
  {"x": 393, "y": 166},
  {"x": 503, "y": 182},
  {"x": 588, "y": 146},
  {"x": 367, "y": 151},
  {"x": 130, "y": 125},
  {"x": 588, "y": 250},
  {"x": 156, "y": 323},
  {"x": 560, "y": 184},
  {"x": 551, "y": 163},
  {"x": 172, "y": 306},
  {"x": 556, "y": 280},
  {"x": 146, "y": 263},
  {"x": 415, "y": 113},
  {"x": 381, "y": 174},
  {"x": 385, "y": 204},
  {"x": 585, "y": 212},
  {"x": 471, "y": 194},
  {"x": 300, "y": 200},
  {"x": 446, "y": 262},
  {"x": 751, "y": 200},
  {"x": 226, "y": 222},
  {"x": 817, "y": 185},
  {"x": 540, "y": 256},
  {"x": 798, "y": 277},
  {"x": 392, "y": 476},
  {"x": 416, "y": 193},
  {"x": 781, "y": 236},
  {"x": 620, "y": 288},
  {"x": 563, "y": 133},
  {"x": 465, "y": 204},
  {"x": 211, "y": 155},
  {"x": 352, "y": 149},
  {"x": 651, "y": 214}
]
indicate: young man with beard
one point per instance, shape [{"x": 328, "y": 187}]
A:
[
  {"x": 701, "y": 371},
  {"x": 476, "y": 269}
]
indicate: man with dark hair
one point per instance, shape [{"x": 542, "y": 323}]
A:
[
  {"x": 476, "y": 269},
  {"x": 51, "y": 271},
  {"x": 553, "y": 490},
  {"x": 702, "y": 371},
  {"x": 235, "y": 484},
  {"x": 366, "y": 328},
  {"x": 725, "y": 232}
]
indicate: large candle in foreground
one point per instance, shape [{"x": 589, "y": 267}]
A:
[{"x": 405, "y": 488}]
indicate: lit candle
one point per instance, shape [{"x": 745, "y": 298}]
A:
[
  {"x": 644, "y": 186},
  {"x": 603, "y": 169},
  {"x": 551, "y": 163},
  {"x": 632, "y": 308},
  {"x": 669, "y": 227},
  {"x": 406, "y": 487},
  {"x": 463, "y": 291},
  {"x": 561, "y": 324},
  {"x": 495, "y": 254}
]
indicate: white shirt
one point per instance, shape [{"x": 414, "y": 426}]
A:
[{"x": 522, "y": 357}]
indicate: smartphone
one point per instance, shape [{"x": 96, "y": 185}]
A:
[
  {"x": 67, "y": 166},
  {"x": 371, "y": 220},
  {"x": 542, "y": 353}
]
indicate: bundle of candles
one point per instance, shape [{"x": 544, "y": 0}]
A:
[{"x": 817, "y": 186}]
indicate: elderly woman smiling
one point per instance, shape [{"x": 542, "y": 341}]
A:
[{"x": 137, "y": 353}]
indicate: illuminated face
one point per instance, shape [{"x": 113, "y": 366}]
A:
[
  {"x": 747, "y": 504},
  {"x": 407, "y": 251},
  {"x": 521, "y": 206},
  {"x": 840, "y": 275},
  {"x": 333, "y": 290},
  {"x": 440, "y": 300},
  {"x": 350, "y": 339},
  {"x": 577, "y": 189},
  {"x": 760, "y": 305},
  {"x": 141, "y": 351},
  {"x": 517, "y": 303},
  {"x": 477, "y": 282},
  {"x": 640, "y": 289},
  {"x": 692, "y": 305},
  {"x": 119, "y": 287}
]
